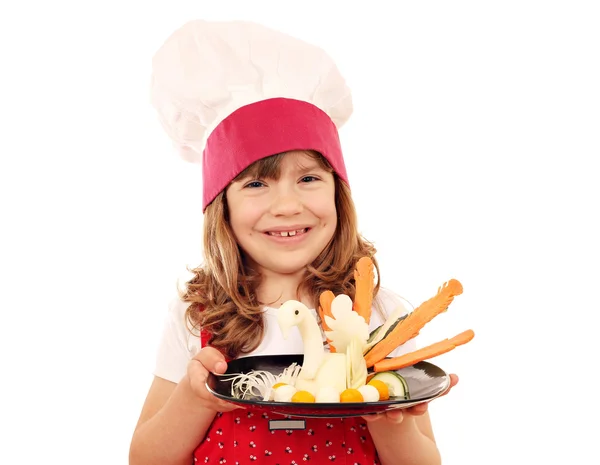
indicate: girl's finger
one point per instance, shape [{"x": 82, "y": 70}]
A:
[
  {"x": 212, "y": 359},
  {"x": 373, "y": 417},
  {"x": 395, "y": 416},
  {"x": 418, "y": 409},
  {"x": 453, "y": 382}
]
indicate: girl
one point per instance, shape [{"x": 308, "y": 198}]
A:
[{"x": 260, "y": 111}]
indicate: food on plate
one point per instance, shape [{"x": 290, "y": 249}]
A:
[
  {"x": 382, "y": 388},
  {"x": 410, "y": 326},
  {"x": 341, "y": 374},
  {"x": 328, "y": 394},
  {"x": 369, "y": 393},
  {"x": 364, "y": 278},
  {"x": 303, "y": 396},
  {"x": 396, "y": 385},
  {"x": 425, "y": 353},
  {"x": 284, "y": 393},
  {"x": 351, "y": 395}
]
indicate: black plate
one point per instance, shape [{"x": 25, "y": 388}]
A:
[{"x": 425, "y": 382}]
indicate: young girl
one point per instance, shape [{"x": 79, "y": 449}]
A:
[{"x": 260, "y": 110}]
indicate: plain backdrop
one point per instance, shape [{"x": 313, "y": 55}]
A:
[{"x": 472, "y": 155}]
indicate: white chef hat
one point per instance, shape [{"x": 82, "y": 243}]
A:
[{"x": 231, "y": 93}]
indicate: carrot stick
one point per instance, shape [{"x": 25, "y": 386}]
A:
[
  {"x": 364, "y": 278},
  {"x": 425, "y": 353},
  {"x": 413, "y": 323},
  {"x": 325, "y": 300}
]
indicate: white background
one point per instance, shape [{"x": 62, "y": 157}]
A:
[{"x": 471, "y": 155}]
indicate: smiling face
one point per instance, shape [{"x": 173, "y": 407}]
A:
[{"x": 282, "y": 212}]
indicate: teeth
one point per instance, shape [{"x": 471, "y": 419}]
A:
[{"x": 287, "y": 233}]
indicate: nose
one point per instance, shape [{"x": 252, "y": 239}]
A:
[{"x": 286, "y": 202}]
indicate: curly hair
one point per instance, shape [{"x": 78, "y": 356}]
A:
[{"x": 221, "y": 292}]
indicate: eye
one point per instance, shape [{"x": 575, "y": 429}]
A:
[
  {"x": 296, "y": 312},
  {"x": 309, "y": 179},
  {"x": 254, "y": 184}
]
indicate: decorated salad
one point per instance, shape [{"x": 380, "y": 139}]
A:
[{"x": 356, "y": 367}]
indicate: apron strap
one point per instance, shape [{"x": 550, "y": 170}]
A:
[{"x": 204, "y": 337}]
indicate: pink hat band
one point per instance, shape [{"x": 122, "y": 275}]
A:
[{"x": 262, "y": 129}]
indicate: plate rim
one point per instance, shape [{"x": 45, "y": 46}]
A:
[{"x": 379, "y": 405}]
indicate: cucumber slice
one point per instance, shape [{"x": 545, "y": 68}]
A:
[
  {"x": 374, "y": 333},
  {"x": 396, "y": 384},
  {"x": 379, "y": 334}
]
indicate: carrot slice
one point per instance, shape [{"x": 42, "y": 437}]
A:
[
  {"x": 364, "y": 278},
  {"x": 325, "y": 300},
  {"x": 425, "y": 353},
  {"x": 413, "y": 323}
]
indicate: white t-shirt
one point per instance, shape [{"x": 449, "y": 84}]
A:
[{"x": 178, "y": 345}]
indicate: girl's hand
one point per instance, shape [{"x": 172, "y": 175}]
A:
[
  {"x": 396, "y": 416},
  {"x": 206, "y": 361}
]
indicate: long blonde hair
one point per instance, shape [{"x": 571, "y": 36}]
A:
[{"x": 222, "y": 291}]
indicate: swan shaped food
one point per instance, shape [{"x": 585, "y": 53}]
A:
[{"x": 342, "y": 369}]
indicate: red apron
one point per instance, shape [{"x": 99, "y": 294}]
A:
[{"x": 252, "y": 436}]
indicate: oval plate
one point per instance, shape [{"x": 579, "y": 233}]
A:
[{"x": 425, "y": 382}]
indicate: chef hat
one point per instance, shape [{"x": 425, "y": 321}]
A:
[{"x": 231, "y": 93}]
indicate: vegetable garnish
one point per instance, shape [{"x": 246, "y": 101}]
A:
[
  {"x": 351, "y": 395},
  {"x": 325, "y": 301},
  {"x": 260, "y": 383},
  {"x": 382, "y": 388},
  {"x": 396, "y": 384},
  {"x": 410, "y": 326},
  {"x": 364, "y": 278},
  {"x": 424, "y": 353},
  {"x": 303, "y": 396}
]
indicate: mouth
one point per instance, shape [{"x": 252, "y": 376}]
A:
[{"x": 288, "y": 233}]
